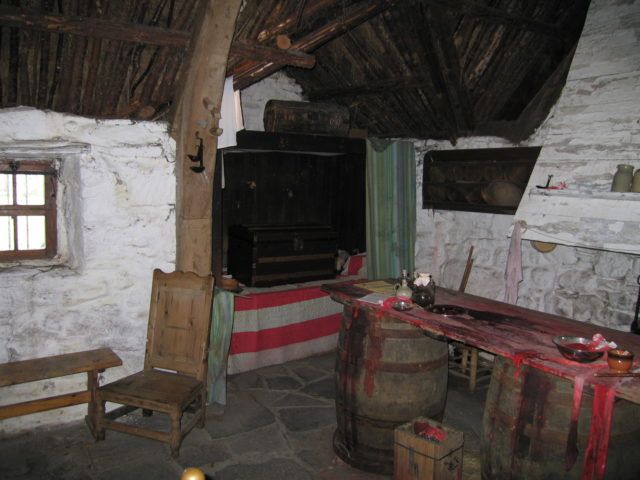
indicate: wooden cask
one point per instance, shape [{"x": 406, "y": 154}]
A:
[
  {"x": 387, "y": 373},
  {"x": 306, "y": 118},
  {"x": 526, "y": 425}
]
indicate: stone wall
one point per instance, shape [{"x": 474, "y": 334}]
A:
[
  {"x": 116, "y": 208},
  {"x": 596, "y": 122}
]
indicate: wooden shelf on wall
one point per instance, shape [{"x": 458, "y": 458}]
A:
[{"x": 466, "y": 180}]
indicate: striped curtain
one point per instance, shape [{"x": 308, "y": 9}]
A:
[{"x": 391, "y": 209}]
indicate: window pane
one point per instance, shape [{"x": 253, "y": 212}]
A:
[
  {"x": 6, "y": 233},
  {"x": 31, "y": 232},
  {"x": 30, "y": 189},
  {"x": 6, "y": 189}
]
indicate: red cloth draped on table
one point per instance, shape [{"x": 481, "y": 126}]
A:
[{"x": 274, "y": 327}]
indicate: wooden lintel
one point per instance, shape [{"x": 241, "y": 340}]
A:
[
  {"x": 497, "y": 15},
  {"x": 295, "y": 58},
  {"x": 353, "y": 16},
  {"x": 93, "y": 27}
]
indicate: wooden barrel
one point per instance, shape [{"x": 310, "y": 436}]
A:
[
  {"x": 387, "y": 373},
  {"x": 526, "y": 425},
  {"x": 306, "y": 117}
]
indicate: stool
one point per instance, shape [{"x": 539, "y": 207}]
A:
[{"x": 466, "y": 363}]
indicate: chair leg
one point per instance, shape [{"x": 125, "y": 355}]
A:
[
  {"x": 473, "y": 373},
  {"x": 176, "y": 433}
]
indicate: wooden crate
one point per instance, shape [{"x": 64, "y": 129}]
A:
[{"x": 419, "y": 458}]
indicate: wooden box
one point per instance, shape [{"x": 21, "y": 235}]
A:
[
  {"x": 417, "y": 457},
  {"x": 266, "y": 255}
]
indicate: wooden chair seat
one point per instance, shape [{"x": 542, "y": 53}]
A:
[
  {"x": 153, "y": 390},
  {"x": 175, "y": 363}
]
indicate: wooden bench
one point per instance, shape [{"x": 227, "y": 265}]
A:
[{"x": 90, "y": 361}]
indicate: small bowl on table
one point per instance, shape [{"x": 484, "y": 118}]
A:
[
  {"x": 620, "y": 360},
  {"x": 577, "y": 349}
]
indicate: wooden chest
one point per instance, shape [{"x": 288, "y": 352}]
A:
[
  {"x": 266, "y": 255},
  {"x": 419, "y": 457}
]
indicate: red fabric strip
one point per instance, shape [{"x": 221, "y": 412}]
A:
[
  {"x": 244, "y": 342},
  {"x": 277, "y": 299},
  {"x": 595, "y": 458}
]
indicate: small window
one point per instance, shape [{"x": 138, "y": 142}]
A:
[{"x": 27, "y": 210}]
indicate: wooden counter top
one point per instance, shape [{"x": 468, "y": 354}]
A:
[{"x": 510, "y": 331}]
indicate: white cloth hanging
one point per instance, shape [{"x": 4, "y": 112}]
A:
[{"x": 230, "y": 115}]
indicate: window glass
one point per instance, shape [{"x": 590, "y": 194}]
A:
[
  {"x": 30, "y": 189},
  {"x": 6, "y": 233},
  {"x": 31, "y": 232},
  {"x": 6, "y": 189}
]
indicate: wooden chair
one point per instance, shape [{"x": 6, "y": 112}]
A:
[{"x": 175, "y": 365}]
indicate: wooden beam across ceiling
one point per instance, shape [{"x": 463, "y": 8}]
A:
[
  {"x": 372, "y": 88},
  {"x": 354, "y": 15},
  {"x": 142, "y": 34},
  {"x": 497, "y": 15}
]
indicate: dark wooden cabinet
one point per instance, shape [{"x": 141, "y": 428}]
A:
[{"x": 266, "y": 255}]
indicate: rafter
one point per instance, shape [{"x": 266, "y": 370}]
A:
[
  {"x": 480, "y": 10},
  {"x": 294, "y": 58},
  {"x": 351, "y": 18},
  {"x": 372, "y": 88},
  {"x": 92, "y": 27}
]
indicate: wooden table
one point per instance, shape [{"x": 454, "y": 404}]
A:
[{"x": 520, "y": 334}]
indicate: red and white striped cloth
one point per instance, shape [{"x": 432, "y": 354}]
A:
[{"x": 274, "y": 327}]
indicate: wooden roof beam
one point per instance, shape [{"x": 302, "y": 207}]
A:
[
  {"x": 475, "y": 9},
  {"x": 92, "y": 27},
  {"x": 372, "y": 88},
  {"x": 295, "y": 58},
  {"x": 352, "y": 17}
]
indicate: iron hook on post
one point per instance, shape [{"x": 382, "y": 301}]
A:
[{"x": 198, "y": 157}]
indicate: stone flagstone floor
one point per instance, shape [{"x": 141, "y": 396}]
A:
[{"x": 277, "y": 425}]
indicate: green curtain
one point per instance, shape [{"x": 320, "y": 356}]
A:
[{"x": 391, "y": 208}]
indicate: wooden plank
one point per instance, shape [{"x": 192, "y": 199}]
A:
[
  {"x": 57, "y": 366},
  {"x": 510, "y": 331},
  {"x": 44, "y": 404},
  {"x": 287, "y": 142}
]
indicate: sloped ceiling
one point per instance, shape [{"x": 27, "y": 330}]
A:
[{"x": 405, "y": 68}]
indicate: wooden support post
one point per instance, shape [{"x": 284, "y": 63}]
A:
[{"x": 197, "y": 116}]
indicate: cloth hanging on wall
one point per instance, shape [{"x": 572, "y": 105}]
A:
[
  {"x": 230, "y": 115},
  {"x": 391, "y": 209},
  {"x": 219, "y": 342}
]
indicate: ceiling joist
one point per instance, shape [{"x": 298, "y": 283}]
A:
[{"x": 353, "y": 16}]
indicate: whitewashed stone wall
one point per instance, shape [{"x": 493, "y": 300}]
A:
[
  {"x": 595, "y": 127},
  {"x": 278, "y": 86},
  {"x": 595, "y": 124},
  {"x": 116, "y": 205}
]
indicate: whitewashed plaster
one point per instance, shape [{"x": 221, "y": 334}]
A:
[
  {"x": 116, "y": 219},
  {"x": 594, "y": 127},
  {"x": 278, "y": 86}
]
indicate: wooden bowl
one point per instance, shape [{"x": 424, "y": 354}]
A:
[{"x": 620, "y": 360}]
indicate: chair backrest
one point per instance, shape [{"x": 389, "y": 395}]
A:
[{"x": 179, "y": 323}]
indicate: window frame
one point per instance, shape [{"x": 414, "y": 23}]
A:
[{"x": 46, "y": 167}]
